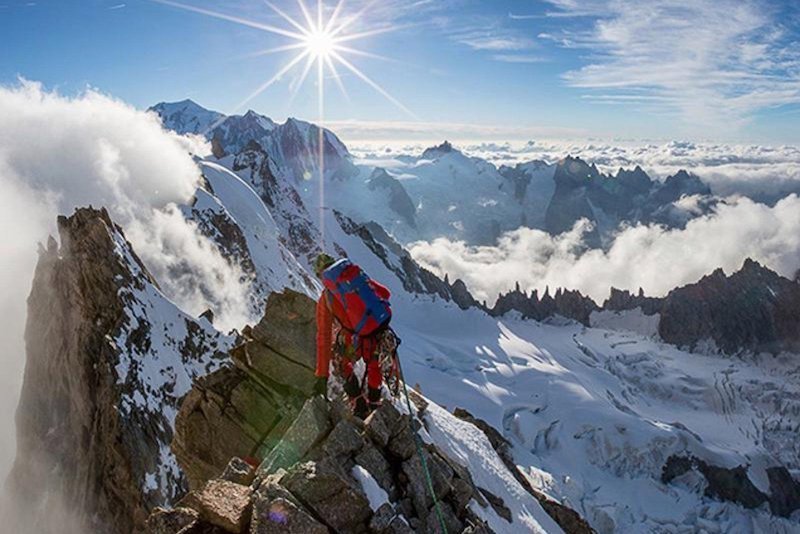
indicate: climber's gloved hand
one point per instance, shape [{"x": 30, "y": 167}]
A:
[{"x": 321, "y": 386}]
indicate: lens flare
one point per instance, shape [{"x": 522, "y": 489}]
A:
[{"x": 319, "y": 39}]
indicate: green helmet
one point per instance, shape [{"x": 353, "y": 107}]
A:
[{"x": 322, "y": 262}]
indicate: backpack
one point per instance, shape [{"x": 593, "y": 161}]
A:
[{"x": 353, "y": 299}]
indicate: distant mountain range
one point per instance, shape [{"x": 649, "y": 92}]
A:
[{"x": 445, "y": 193}]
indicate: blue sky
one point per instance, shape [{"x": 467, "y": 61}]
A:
[{"x": 726, "y": 70}]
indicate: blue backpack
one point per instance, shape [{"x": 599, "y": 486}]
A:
[{"x": 354, "y": 300}]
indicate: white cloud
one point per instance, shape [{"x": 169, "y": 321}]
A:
[
  {"x": 495, "y": 42},
  {"x": 58, "y": 153},
  {"x": 715, "y": 62},
  {"x": 651, "y": 257},
  {"x": 518, "y": 58}
]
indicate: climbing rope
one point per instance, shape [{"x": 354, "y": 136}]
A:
[{"x": 418, "y": 443}]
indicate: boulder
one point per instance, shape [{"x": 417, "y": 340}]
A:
[
  {"x": 382, "y": 518},
  {"x": 382, "y": 423},
  {"x": 276, "y": 511},
  {"x": 239, "y": 472},
  {"x": 371, "y": 459},
  {"x": 441, "y": 477},
  {"x": 331, "y": 494},
  {"x": 226, "y": 505},
  {"x": 312, "y": 424},
  {"x": 433, "y": 523},
  {"x": 344, "y": 439}
]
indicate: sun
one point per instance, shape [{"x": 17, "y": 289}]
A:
[
  {"x": 322, "y": 40},
  {"x": 320, "y": 44}
]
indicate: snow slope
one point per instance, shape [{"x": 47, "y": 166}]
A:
[{"x": 161, "y": 350}]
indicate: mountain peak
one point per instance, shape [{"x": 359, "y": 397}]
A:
[{"x": 435, "y": 151}]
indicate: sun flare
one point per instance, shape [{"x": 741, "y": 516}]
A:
[{"x": 321, "y": 39}]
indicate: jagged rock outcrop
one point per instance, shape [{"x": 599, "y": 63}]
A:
[
  {"x": 263, "y": 456},
  {"x": 583, "y": 192},
  {"x": 567, "y": 303},
  {"x": 331, "y": 472},
  {"x": 102, "y": 382},
  {"x": 622, "y": 300},
  {"x": 734, "y": 485},
  {"x": 752, "y": 309}
]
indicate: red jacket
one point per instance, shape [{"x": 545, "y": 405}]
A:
[{"x": 325, "y": 327}]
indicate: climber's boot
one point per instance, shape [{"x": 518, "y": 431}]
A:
[
  {"x": 375, "y": 397},
  {"x": 361, "y": 407}
]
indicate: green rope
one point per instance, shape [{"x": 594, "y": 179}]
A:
[{"x": 418, "y": 443}]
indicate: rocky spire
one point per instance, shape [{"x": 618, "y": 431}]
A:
[{"x": 101, "y": 380}]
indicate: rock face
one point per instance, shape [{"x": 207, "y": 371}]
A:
[
  {"x": 243, "y": 409},
  {"x": 102, "y": 382},
  {"x": 754, "y": 308}
]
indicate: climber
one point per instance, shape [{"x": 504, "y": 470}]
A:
[{"x": 353, "y": 315}]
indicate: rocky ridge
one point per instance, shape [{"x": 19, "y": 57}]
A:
[
  {"x": 566, "y": 303},
  {"x": 754, "y": 309},
  {"x": 108, "y": 360}
]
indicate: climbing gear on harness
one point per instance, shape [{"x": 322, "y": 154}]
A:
[
  {"x": 388, "y": 343},
  {"x": 418, "y": 443}
]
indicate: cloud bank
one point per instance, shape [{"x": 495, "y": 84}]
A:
[
  {"x": 58, "y": 153},
  {"x": 652, "y": 257}
]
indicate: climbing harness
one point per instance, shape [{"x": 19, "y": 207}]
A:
[{"x": 418, "y": 443}]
